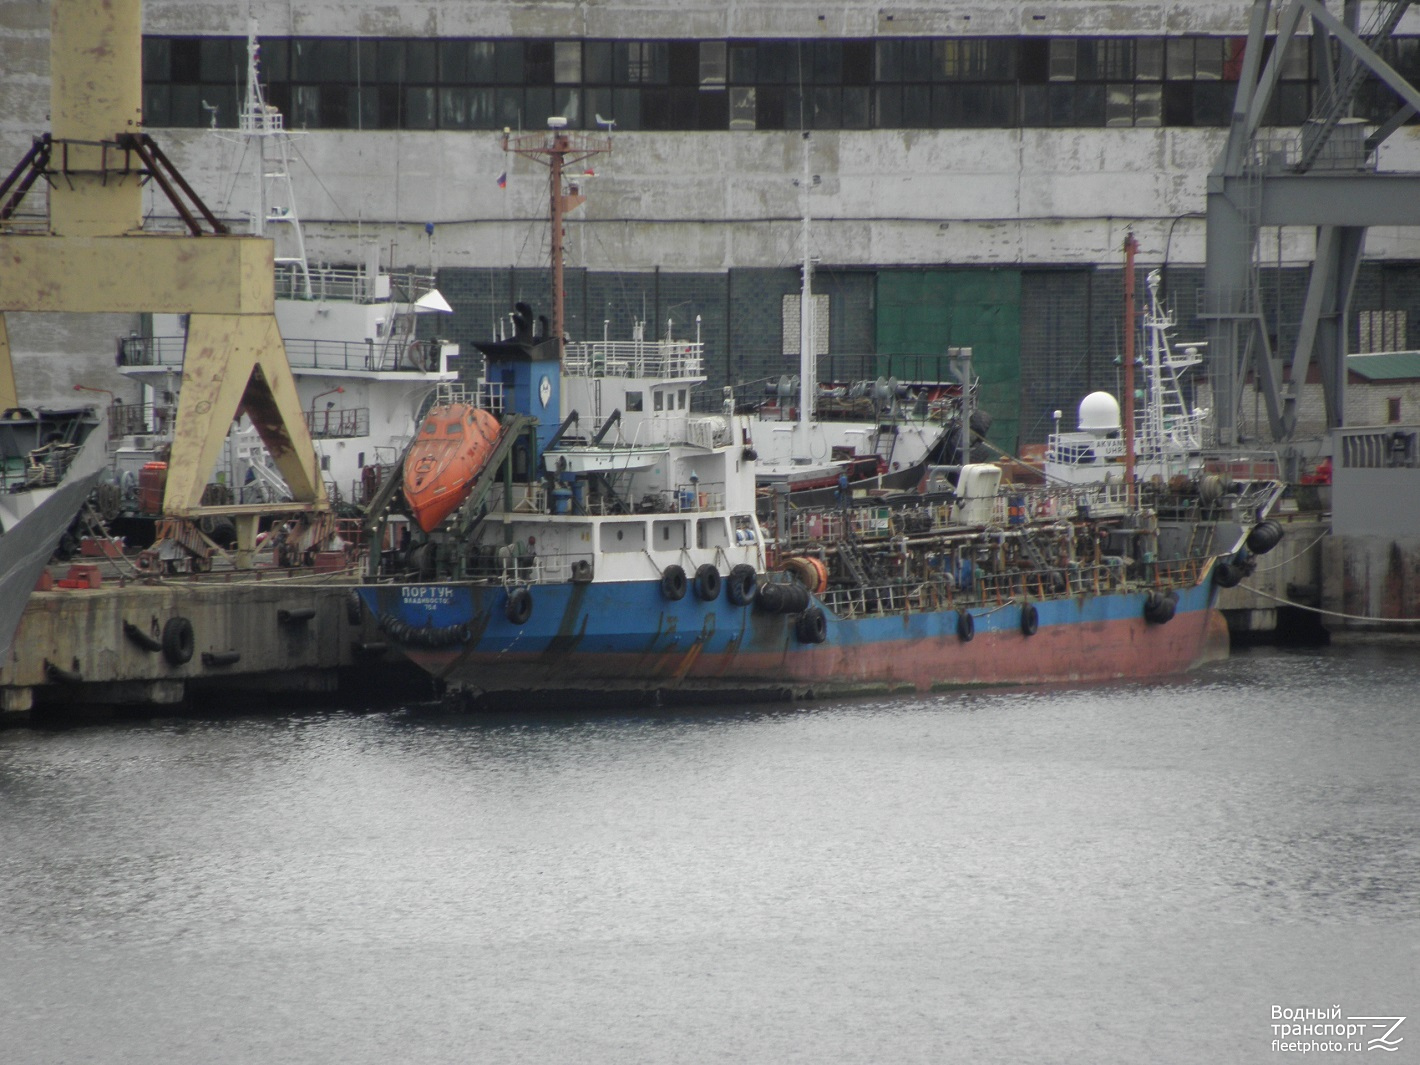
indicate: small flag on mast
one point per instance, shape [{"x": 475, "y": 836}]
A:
[{"x": 503, "y": 180}]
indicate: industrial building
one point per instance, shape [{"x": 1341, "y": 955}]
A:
[{"x": 973, "y": 169}]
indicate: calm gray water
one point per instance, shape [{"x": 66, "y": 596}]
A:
[{"x": 1109, "y": 874}]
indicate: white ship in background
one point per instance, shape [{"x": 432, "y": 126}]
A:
[
  {"x": 1168, "y": 432},
  {"x": 351, "y": 336}
]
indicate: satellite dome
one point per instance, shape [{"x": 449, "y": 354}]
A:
[{"x": 1099, "y": 413}]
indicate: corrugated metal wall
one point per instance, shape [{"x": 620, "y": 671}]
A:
[{"x": 925, "y": 312}]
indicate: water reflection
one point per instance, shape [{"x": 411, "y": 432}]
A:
[{"x": 848, "y": 881}]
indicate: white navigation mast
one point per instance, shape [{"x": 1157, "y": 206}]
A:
[
  {"x": 808, "y": 362},
  {"x": 274, "y": 203}
]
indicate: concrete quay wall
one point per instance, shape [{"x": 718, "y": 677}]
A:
[
  {"x": 124, "y": 644},
  {"x": 1273, "y": 600},
  {"x": 1372, "y": 586}
]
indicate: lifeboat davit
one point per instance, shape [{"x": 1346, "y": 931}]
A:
[{"x": 453, "y": 445}]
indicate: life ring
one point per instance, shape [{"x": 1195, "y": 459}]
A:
[
  {"x": 178, "y": 641},
  {"x": 582, "y": 572},
  {"x": 812, "y": 626},
  {"x": 740, "y": 584},
  {"x": 1030, "y": 620},
  {"x": 707, "y": 582},
  {"x": 519, "y": 606},
  {"x": 673, "y": 582},
  {"x": 966, "y": 627}
]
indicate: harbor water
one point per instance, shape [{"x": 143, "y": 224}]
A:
[{"x": 1157, "y": 872}]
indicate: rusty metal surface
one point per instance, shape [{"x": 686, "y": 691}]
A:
[
  {"x": 179, "y": 275},
  {"x": 236, "y": 364}
]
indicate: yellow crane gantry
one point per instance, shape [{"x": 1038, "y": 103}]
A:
[{"x": 95, "y": 258}]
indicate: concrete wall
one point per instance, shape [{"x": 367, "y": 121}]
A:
[{"x": 705, "y": 201}]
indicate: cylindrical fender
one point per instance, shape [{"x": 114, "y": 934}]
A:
[
  {"x": 1227, "y": 574},
  {"x": 770, "y": 597}
]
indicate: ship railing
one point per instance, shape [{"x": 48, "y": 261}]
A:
[
  {"x": 510, "y": 566},
  {"x": 302, "y": 354},
  {"x": 635, "y": 358},
  {"x": 330, "y": 424},
  {"x": 869, "y": 600},
  {"x": 489, "y": 396},
  {"x": 1245, "y": 467},
  {"x": 690, "y": 496},
  {"x": 129, "y": 419},
  {"x": 350, "y": 284},
  {"x": 141, "y": 419}
]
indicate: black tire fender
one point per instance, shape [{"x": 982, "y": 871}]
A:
[
  {"x": 673, "y": 582},
  {"x": 741, "y": 584},
  {"x": 707, "y": 583},
  {"x": 812, "y": 626},
  {"x": 1030, "y": 620},
  {"x": 519, "y": 607},
  {"x": 966, "y": 627},
  {"x": 179, "y": 641}
]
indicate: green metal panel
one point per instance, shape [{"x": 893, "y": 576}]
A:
[{"x": 924, "y": 312}]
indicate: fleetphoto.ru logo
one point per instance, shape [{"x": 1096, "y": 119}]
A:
[{"x": 1325, "y": 1031}]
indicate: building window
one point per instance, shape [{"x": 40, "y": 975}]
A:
[
  {"x": 1392, "y": 410},
  {"x": 742, "y": 85},
  {"x": 1381, "y": 331},
  {"x": 567, "y": 62},
  {"x": 712, "y": 64}
]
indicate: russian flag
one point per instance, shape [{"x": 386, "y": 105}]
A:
[{"x": 503, "y": 180}]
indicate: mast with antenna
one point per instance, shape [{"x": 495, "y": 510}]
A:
[
  {"x": 557, "y": 150},
  {"x": 808, "y": 359},
  {"x": 273, "y": 199}
]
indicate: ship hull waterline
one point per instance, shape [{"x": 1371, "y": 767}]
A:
[{"x": 625, "y": 638}]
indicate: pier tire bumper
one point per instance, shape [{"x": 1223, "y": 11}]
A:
[
  {"x": 673, "y": 582},
  {"x": 179, "y": 642},
  {"x": 740, "y": 585},
  {"x": 1030, "y": 620},
  {"x": 519, "y": 606},
  {"x": 707, "y": 583},
  {"x": 812, "y": 626},
  {"x": 966, "y": 627}
]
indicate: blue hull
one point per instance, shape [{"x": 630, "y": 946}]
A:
[{"x": 627, "y": 638}]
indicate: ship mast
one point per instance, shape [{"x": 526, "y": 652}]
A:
[
  {"x": 1130, "y": 247},
  {"x": 557, "y": 150},
  {"x": 808, "y": 362}
]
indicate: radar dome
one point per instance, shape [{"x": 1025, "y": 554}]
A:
[{"x": 1099, "y": 413}]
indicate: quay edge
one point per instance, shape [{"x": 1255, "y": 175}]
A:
[{"x": 230, "y": 645}]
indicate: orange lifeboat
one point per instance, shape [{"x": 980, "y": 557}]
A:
[{"x": 452, "y": 447}]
